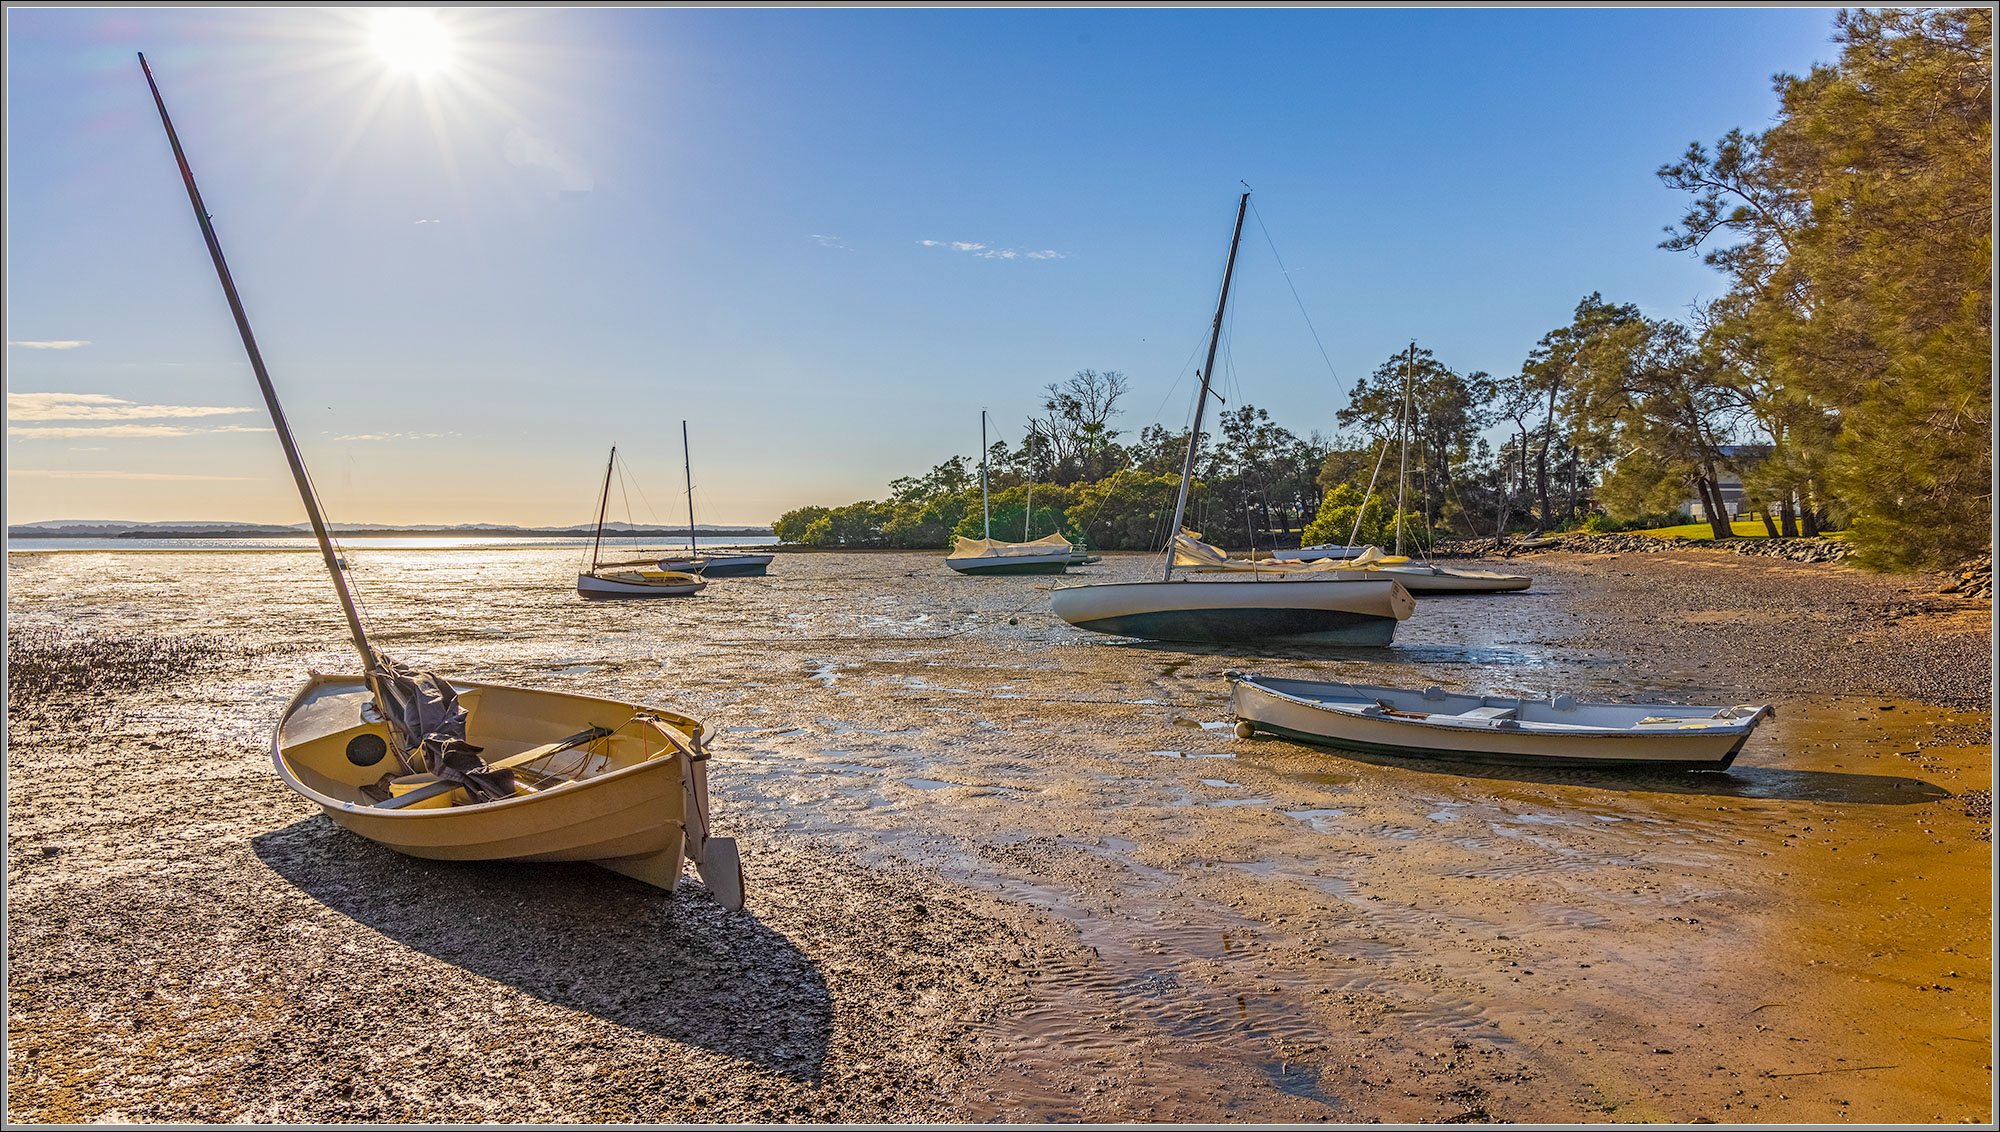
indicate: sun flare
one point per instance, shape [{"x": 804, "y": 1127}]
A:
[{"x": 411, "y": 41}]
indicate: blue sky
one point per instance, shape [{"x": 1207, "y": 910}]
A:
[{"x": 825, "y": 238}]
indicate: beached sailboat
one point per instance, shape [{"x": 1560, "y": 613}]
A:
[
  {"x": 1051, "y": 555},
  {"x": 636, "y": 578},
  {"x": 1254, "y": 605},
  {"x": 1424, "y": 578},
  {"x": 1436, "y": 724},
  {"x": 710, "y": 565},
  {"x": 1417, "y": 577},
  {"x": 452, "y": 770}
]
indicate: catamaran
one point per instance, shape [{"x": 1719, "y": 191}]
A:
[
  {"x": 1247, "y": 605},
  {"x": 461, "y": 771}
]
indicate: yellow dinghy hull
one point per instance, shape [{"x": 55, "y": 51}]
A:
[{"x": 634, "y": 800}]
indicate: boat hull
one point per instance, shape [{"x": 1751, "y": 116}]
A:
[
  {"x": 729, "y": 566},
  {"x": 1318, "y": 553},
  {"x": 630, "y": 816},
  {"x": 1290, "y": 710},
  {"x": 1426, "y": 580},
  {"x": 595, "y": 587},
  {"x": 1012, "y": 564},
  {"x": 1347, "y": 612}
]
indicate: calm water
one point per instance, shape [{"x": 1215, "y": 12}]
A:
[{"x": 353, "y": 542}]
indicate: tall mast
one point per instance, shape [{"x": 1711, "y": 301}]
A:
[
  {"x": 299, "y": 477},
  {"x": 687, "y": 461},
  {"x": 985, "y": 505},
  {"x": 1028, "y": 524},
  {"x": 603, "y": 503},
  {"x": 1403, "y": 444},
  {"x": 1207, "y": 372}
]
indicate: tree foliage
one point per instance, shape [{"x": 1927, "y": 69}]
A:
[{"x": 1862, "y": 269}]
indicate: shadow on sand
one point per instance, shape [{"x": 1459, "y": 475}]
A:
[
  {"x": 1774, "y": 783},
  {"x": 580, "y": 937}
]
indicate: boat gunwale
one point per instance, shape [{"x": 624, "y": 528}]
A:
[
  {"x": 329, "y": 802},
  {"x": 1739, "y": 727}
]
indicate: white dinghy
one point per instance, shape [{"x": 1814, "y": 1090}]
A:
[{"x": 1436, "y": 724}]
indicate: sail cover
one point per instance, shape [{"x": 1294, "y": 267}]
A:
[
  {"x": 429, "y": 724},
  {"x": 1189, "y": 551},
  {"x": 988, "y": 548}
]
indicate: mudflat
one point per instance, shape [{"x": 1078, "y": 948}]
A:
[{"x": 1001, "y": 870}]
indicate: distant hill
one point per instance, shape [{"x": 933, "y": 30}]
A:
[{"x": 87, "y": 528}]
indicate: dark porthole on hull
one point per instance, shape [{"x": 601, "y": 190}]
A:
[{"x": 366, "y": 749}]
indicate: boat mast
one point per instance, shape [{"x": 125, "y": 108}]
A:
[
  {"x": 1028, "y": 524},
  {"x": 603, "y": 503},
  {"x": 299, "y": 477},
  {"x": 985, "y": 505},
  {"x": 1207, "y": 372},
  {"x": 1403, "y": 444},
  {"x": 687, "y": 461}
]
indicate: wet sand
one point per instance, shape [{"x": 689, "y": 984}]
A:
[{"x": 1003, "y": 870}]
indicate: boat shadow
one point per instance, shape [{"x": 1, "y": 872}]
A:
[
  {"x": 1374, "y": 654},
  {"x": 1751, "y": 782},
  {"x": 581, "y": 938}
]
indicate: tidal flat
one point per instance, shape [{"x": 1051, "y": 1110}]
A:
[{"x": 1002, "y": 870}]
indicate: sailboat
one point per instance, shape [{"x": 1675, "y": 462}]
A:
[
  {"x": 1051, "y": 555},
  {"x": 710, "y": 565},
  {"x": 1251, "y": 605},
  {"x": 636, "y": 578},
  {"x": 461, "y": 771},
  {"x": 1417, "y": 577}
]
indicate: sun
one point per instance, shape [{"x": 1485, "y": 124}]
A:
[{"x": 410, "y": 40}]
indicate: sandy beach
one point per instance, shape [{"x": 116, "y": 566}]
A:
[{"x": 1001, "y": 870}]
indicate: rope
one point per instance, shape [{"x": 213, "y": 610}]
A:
[{"x": 1282, "y": 270}]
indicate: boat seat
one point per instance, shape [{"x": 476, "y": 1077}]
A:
[{"x": 1487, "y": 713}]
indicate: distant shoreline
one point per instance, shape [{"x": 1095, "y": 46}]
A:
[{"x": 380, "y": 532}]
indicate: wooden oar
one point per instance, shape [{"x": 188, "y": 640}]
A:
[{"x": 522, "y": 759}]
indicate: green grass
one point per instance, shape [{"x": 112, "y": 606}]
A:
[{"x": 1743, "y": 528}]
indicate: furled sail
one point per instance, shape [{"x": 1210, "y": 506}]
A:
[
  {"x": 991, "y": 548},
  {"x": 429, "y": 723},
  {"x": 1192, "y": 553}
]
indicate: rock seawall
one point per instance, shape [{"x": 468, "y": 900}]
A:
[
  {"x": 1794, "y": 549},
  {"x": 1975, "y": 578}
]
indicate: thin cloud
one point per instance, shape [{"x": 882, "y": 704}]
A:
[
  {"x": 395, "y": 436},
  {"x": 66, "y": 474},
  {"x": 102, "y": 407},
  {"x": 985, "y": 251},
  {"x": 58, "y": 344},
  {"x": 829, "y": 242},
  {"x": 120, "y": 431},
  {"x": 527, "y": 151}
]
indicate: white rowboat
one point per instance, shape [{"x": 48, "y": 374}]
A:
[{"x": 1436, "y": 724}]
